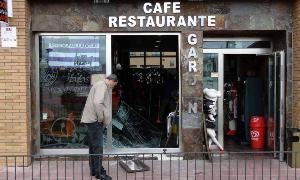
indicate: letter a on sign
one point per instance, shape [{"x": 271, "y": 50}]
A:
[{"x": 192, "y": 53}]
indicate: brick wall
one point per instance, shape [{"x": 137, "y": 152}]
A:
[
  {"x": 296, "y": 64},
  {"x": 15, "y": 86}
]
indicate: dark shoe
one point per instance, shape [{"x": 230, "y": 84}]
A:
[
  {"x": 92, "y": 174},
  {"x": 98, "y": 176},
  {"x": 107, "y": 177},
  {"x": 103, "y": 177}
]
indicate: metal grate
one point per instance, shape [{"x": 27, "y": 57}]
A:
[{"x": 160, "y": 166}]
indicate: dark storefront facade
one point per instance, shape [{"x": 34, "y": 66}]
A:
[{"x": 164, "y": 53}]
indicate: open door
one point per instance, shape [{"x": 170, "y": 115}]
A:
[{"x": 276, "y": 103}]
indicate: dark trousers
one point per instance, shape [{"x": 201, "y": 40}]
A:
[{"x": 95, "y": 140}]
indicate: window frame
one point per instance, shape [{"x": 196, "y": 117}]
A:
[{"x": 109, "y": 148}]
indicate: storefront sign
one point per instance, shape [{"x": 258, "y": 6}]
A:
[
  {"x": 77, "y": 51},
  {"x": 9, "y": 36},
  {"x": 192, "y": 68},
  {"x": 3, "y": 11},
  {"x": 160, "y": 19}
]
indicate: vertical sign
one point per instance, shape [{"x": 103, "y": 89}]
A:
[
  {"x": 9, "y": 36},
  {"x": 192, "y": 77},
  {"x": 192, "y": 68}
]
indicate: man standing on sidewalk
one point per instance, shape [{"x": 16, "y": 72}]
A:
[{"x": 97, "y": 115}]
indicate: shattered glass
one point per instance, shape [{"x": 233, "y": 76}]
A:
[{"x": 130, "y": 129}]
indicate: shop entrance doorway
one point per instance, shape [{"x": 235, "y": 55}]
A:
[
  {"x": 148, "y": 91},
  {"x": 245, "y": 95},
  {"x": 252, "y": 81},
  {"x": 253, "y": 87}
]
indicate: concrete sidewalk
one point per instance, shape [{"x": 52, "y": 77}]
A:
[{"x": 172, "y": 169}]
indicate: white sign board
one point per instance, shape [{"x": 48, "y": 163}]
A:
[
  {"x": 164, "y": 19},
  {"x": 9, "y": 8},
  {"x": 9, "y": 36}
]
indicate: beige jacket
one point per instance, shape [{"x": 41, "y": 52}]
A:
[{"x": 98, "y": 104}]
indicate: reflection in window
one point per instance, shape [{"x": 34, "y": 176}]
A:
[
  {"x": 68, "y": 66},
  {"x": 210, "y": 73},
  {"x": 154, "y": 59},
  {"x": 210, "y": 70},
  {"x": 235, "y": 44}
]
